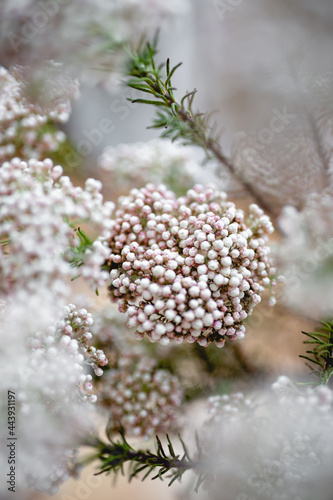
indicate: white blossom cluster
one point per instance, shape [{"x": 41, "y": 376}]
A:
[
  {"x": 156, "y": 161},
  {"x": 26, "y": 129},
  {"x": 37, "y": 205},
  {"x": 95, "y": 31},
  {"x": 135, "y": 393},
  {"x": 139, "y": 397},
  {"x": 51, "y": 346},
  {"x": 68, "y": 341},
  {"x": 51, "y": 384},
  {"x": 190, "y": 268},
  {"x": 276, "y": 445},
  {"x": 75, "y": 327},
  {"x": 306, "y": 254}
]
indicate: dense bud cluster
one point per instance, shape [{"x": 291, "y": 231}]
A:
[
  {"x": 77, "y": 325},
  {"x": 188, "y": 268},
  {"x": 156, "y": 161},
  {"x": 27, "y": 130},
  {"x": 68, "y": 341},
  {"x": 136, "y": 395},
  {"x": 139, "y": 397},
  {"x": 38, "y": 204}
]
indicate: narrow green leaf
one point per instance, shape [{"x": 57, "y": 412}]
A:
[
  {"x": 138, "y": 470},
  {"x": 148, "y": 472},
  {"x": 174, "y": 108},
  {"x": 84, "y": 238},
  {"x": 178, "y": 476},
  {"x": 160, "y": 450},
  {"x": 186, "y": 454},
  {"x": 171, "y": 73},
  {"x": 171, "y": 449},
  {"x": 146, "y": 101},
  {"x": 197, "y": 441},
  {"x": 311, "y": 360},
  {"x": 199, "y": 482},
  {"x": 193, "y": 92},
  {"x": 143, "y": 88},
  {"x": 168, "y": 67}
]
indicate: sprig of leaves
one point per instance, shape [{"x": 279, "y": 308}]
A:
[
  {"x": 321, "y": 355},
  {"x": 178, "y": 120},
  {"x": 115, "y": 454},
  {"x": 78, "y": 252}
]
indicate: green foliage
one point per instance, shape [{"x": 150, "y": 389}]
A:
[
  {"x": 115, "y": 454},
  {"x": 78, "y": 252},
  {"x": 321, "y": 355},
  {"x": 176, "y": 119}
]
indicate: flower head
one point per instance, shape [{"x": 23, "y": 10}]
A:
[
  {"x": 139, "y": 397},
  {"x": 188, "y": 268}
]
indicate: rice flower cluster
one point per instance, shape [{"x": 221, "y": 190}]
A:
[
  {"x": 37, "y": 238},
  {"x": 26, "y": 129},
  {"x": 76, "y": 325},
  {"x": 156, "y": 161},
  {"x": 190, "y": 268},
  {"x": 51, "y": 382},
  {"x": 69, "y": 338},
  {"x": 275, "y": 444},
  {"x": 139, "y": 397},
  {"x": 136, "y": 395}
]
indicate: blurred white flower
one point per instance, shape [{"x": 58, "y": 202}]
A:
[
  {"x": 306, "y": 255},
  {"x": 276, "y": 446},
  {"x": 27, "y": 129},
  {"x": 38, "y": 205},
  {"x": 157, "y": 161},
  {"x": 43, "y": 361}
]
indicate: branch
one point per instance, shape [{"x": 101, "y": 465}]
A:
[
  {"x": 178, "y": 120},
  {"x": 114, "y": 455}
]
